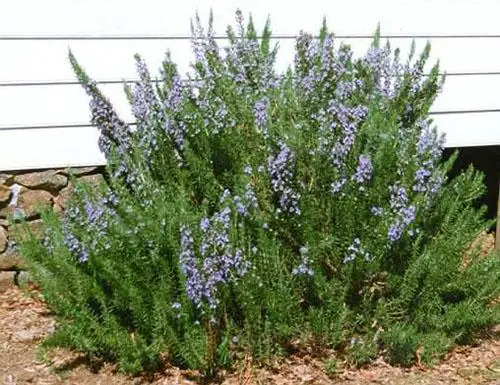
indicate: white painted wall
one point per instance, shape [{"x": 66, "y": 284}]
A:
[{"x": 470, "y": 61}]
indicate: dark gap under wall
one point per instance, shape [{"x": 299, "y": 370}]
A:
[{"x": 487, "y": 160}]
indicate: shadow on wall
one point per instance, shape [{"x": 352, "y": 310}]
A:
[{"x": 487, "y": 160}]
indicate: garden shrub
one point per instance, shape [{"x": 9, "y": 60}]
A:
[{"x": 255, "y": 211}]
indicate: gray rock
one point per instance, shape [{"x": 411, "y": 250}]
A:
[
  {"x": 80, "y": 171},
  {"x": 15, "y": 189},
  {"x": 49, "y": 180},
  {"x": 23, "y": 278}
]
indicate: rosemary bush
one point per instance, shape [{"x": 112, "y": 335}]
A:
[{"x": 255, "y": 211}]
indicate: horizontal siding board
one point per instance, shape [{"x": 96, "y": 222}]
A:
[
  {"x": 164, "y": 17},
  {"x": 63, "y": 147},
  {"x": 77, "y": 146},
  {"x": 56, "y": 105},
  {"x": 111, "y": 59},
  {"x": 470, "y": 129}
]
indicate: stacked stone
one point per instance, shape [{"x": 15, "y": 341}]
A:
[{"x": 23, "y": 194}]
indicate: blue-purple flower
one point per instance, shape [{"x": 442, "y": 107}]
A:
[
  {"x": 428, "y": 178},
  {"x": 306, "y": 51},
  {"x": 379, "y": 61},
  {"x": 304, "y": 267},
  {"x": 355, "y": 250},
  {"x": 344, "y": 119},
  {"x": 337, "y": 185},
  {"x": 281, "y": 169},
  {"x": 246, "y": 202},
  {"x": 219, "y": 262},
  {"x": 171, "y": 105},
  {"x": 405, "y": 213},
  {"x": 399, "y": 197},
  {"x": 364, "y": 170},
  {"x": 395, "y": 231},
  {"x": 188, "y": 264},
  {"x": 94, "y": 219},
  {"x": 260, "y": 114}
]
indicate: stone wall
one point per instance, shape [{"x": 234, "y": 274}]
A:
[{"x": 22, "y": 193}]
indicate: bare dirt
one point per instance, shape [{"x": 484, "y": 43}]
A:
[{"x": 25, "y": 320}]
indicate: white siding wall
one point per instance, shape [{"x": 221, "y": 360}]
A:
[{"x": 465, "y": 36}]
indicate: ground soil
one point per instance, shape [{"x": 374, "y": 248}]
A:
[{"x": 25, "y": 320}]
